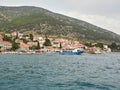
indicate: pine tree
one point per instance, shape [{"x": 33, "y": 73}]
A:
[
  {"x": 60, "y": 45},
  {"x": 31, "y": 37}
]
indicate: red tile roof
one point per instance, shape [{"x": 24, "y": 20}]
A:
[
  {"x": 23, "y": 45},
  {"x": 7, "y": 43},
  {"x": 1, "y": 40}
]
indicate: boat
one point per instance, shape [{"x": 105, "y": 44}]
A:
[
  {"x": 96, "y": 51},
  {"x": 71, "y": 52}
]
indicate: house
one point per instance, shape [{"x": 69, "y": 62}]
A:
[
  {"x": 5, "y": 45},
  {"x": 41, "y": 41},
  {"x": 18, "y": 41},
  {"x": 14, "y": 34},
  {"x": 55, "y": 44},
  {"x": 94, "y": 50},
  {"x": 24, "y": 47},
  {"x": 30, "y": 44},
  {"x": 1, "y": 36},
  {"x": 35, "y": 38},
  {"x": 20, "y": 35},
  {"x": 7, "y": 34},
  {"x": 106, "y": 48},
  {"x": 1, "y": 39},
  {"x": 1, "y": 45}
]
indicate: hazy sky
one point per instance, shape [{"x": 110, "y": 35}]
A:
[{"x": 103, "y": 13}]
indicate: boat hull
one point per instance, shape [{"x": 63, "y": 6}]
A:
[{"x": 70, "y": 53}]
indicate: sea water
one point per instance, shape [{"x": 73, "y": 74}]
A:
[{"x": 60, "y": 72}]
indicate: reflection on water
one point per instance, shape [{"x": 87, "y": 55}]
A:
[{"x": 60, "y": 72}]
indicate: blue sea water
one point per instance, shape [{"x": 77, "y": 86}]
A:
[{"x": 60, "y": 72}]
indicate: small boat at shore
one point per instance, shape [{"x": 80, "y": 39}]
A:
[{"x": 73, "y": 52}]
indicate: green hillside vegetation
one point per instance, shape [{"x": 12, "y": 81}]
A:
[{"x": 28, "y": 18}]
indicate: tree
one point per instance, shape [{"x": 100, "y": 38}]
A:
[
  {"x": 15, "y": 46},
  {"x": 113, "y": 46},
  {"x": 6, "y": 38},
  {"x": 60, "y": 45},
  {"x": 38, "y": 45},
  {"x": 25, "y": 41},
  {"x": 31, "y": 37},
  {"x": 99, "y": 45},
  {"x": 33, "y": 47},
  {"x": 47, "y": 42},
  {"x": 0, "y": 47},
  {"x": 17, "y": 36},
  {"x": 88, "y": 44},
  {"x": 118, "y": 47}
]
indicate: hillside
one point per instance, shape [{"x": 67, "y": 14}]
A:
[{"x": 42, "y": 21}]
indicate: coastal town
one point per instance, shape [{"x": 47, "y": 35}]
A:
[{"x": 31, "y": 43}]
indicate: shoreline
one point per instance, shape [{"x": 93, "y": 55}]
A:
[{"x": 38, "y": 53}]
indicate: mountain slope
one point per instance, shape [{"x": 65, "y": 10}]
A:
[{"x": 42, "y": 21}]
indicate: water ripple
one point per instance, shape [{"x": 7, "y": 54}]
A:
[{"x": 57, "y": 72}]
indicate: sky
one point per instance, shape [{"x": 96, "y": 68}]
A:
[{"x": 103, "y": 13}]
